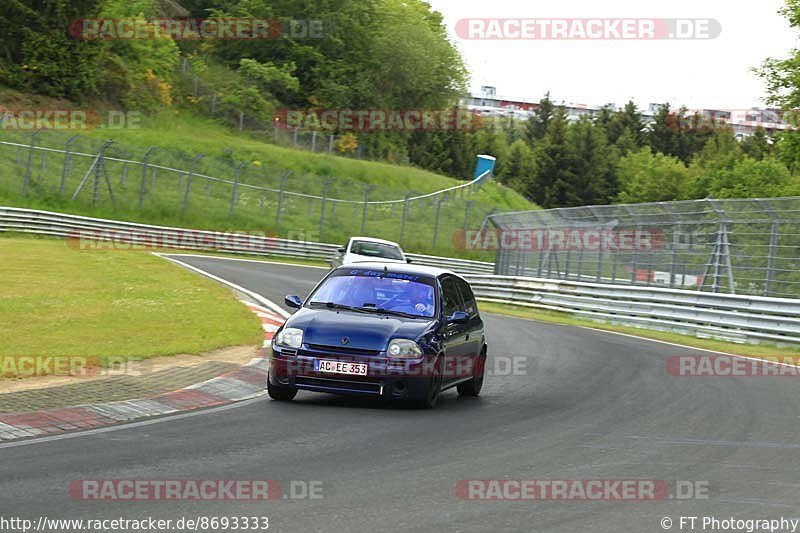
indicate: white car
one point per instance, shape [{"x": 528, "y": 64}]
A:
[{"x": 359, "y": 249}]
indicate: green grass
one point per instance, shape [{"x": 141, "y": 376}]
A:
[
  {"x": 179, "y": 135},
  {"x": 556, "y": 317},
  {"x": 58, "y": 301}
]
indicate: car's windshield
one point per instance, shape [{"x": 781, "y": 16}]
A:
[
  {"x": 376, "y": 249},
  {"x": 375, "y": 289}
]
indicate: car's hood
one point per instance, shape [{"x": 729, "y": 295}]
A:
[{"x": 364, "y": 331}]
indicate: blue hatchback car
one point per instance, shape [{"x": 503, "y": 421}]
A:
[{"x": 390, "y": 331}]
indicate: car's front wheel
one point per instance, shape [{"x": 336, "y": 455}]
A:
[
  {"x": 432, "y": 397},
  {"x": 282, "y": 394},
  {"x": 473, "y": 386}
]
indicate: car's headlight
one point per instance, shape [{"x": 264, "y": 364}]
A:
[
  {"x": 404, "y": 349},
  {"x": 290, "y": 337}
]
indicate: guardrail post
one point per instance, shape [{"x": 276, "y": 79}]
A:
[
  {"x": 67, "y": 163},
  {"x": 436, "y": 223},
  {"x": 368, "y": 190},
  {"x": 235, "y": 192},
  {"x": 26, "y": 180},
  {"x": 280, "y": 196},
  {"x": 143, "y": 186},
  {"x": 189, "y": 184},
  {"x": 325, "y": 186},
  {"x": 772, "y": 252},
  {"x": 98, "y": 166},
  {"x": 466, "y": 213},
  {"x": 405, "y": 215}
]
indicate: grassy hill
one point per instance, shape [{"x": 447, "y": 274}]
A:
[{"x": 179, "y": 135}]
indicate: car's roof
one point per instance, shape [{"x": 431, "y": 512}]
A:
[
  {"x": 401, "y": 268},
  {"x": 373, "y": 239}
]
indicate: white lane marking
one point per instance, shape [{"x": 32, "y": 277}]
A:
[
  {"x": 260, "y": 299},
  {"x": 132, "y": 425},
  {"x": 262, "y": 261}
]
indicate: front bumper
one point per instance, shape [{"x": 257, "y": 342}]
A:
[{"x": 386, "y": 378}]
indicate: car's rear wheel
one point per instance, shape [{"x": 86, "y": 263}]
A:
[
  {"x": 473, "y": 386},
  {"x": 282, "y": 394}
]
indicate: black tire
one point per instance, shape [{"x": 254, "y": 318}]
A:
[
  {"x": 432, "y": 398},
  {"x": 473, "y": 386},
  {"x": 281, "y": 394}
]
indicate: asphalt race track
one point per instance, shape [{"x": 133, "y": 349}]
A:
[{"x": 588, "y": 405}]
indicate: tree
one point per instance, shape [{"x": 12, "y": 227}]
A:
[
  {"x": 536, "y": 126},
  {"x": 758, "y": 145},
  {"x": 677, "y": 133},
  {"x": 554, "y": 183},
  {"x": 624, "y": 129},
  {"x": 38, "y": 54},
  {"x": 749, "y": 178},
  {"x": 787, "y": 148},
  {"x": 593, "y": 163},
  {"x": 520, "y": 167},
  {"x": 645, "y": 176},
  {"x": 720, "y": 154},
  {"x": 782, "y": 76}
]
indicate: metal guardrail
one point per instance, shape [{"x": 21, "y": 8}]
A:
[
  {"x": 76, "y": 227},
  {"x": 715, "y": 315},
  {"x": 722, "y": 316}
]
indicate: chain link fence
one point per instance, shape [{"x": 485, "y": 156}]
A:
[
  {"x": 77, "y": 174},
  {"x": 737, "y": 246}
]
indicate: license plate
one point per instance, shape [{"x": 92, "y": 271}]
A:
[{"x": 340, "y": 367}]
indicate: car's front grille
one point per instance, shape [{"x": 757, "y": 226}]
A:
[
  {"x": 339, "y": 385},
  {"x": 344, "y": 350}
]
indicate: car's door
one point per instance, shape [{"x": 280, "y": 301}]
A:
[
  {"x": 475, "y": 328},
  {"x": 455, "y": 337}
]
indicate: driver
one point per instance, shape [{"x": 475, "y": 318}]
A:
[{"x": 421, "y": 297}]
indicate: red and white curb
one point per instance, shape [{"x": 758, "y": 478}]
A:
[{"x": 247, "y": 381}]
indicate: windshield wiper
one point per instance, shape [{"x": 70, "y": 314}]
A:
[
  {"x": 382, "y": 311},
  {"x": 334, "y": 305}
]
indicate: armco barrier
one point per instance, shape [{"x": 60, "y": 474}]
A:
[
  {"x": 723, "y": 316},
  {"x": 63, "y": 225}
]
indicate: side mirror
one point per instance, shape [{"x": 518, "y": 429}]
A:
[
  {"x": 294, "y": 301},
  {"x": 459, "y": 317},
  {"x": 341, "y": 250},
  {"x": 408, "y": 259}
]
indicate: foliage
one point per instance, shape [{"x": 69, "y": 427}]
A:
[{"x": 645, "y": 176}]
